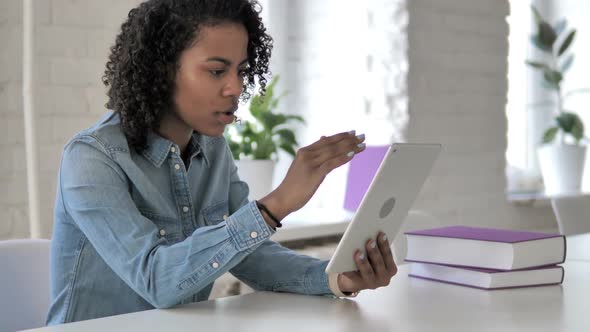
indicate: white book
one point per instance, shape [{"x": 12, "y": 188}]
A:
[{"x": 486, "y": 278}]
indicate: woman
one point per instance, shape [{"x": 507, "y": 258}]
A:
[{"x": 150, "y": 209}]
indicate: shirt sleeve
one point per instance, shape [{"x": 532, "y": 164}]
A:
[
  {"x": 333, "y": 282},
  {"x": 96, "y": 196},
  {"x": 272, "y": 267}
]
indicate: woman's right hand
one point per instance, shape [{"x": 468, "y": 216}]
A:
[{"x": 311, "y": 165}]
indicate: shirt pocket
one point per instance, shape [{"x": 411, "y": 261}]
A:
[
  {"x": 216, "y": 213},
  {"x": 168, "y": 228}
]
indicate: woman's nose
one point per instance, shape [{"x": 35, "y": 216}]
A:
[{"x": 233, "y": 86}]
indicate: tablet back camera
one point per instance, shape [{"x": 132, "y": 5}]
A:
[{"x": 387, "y": 207}]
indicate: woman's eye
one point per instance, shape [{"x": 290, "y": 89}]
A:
[{"x": 217, "y": 73}]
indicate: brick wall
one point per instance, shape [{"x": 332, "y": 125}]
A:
[
  {"x": 13, "y": 195},
  {"x": 457, "y": 95},
  {"x": 72, "y": 39}
]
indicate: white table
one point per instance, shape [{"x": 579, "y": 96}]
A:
[{"x": 407, "y": 304}]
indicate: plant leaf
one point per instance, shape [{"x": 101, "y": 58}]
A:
[
  {"x": 578, "y": 129},
  {"x": 553, "y": 76},
  {"x": 538, "y": 65},
  {"x": 289, "y": 149},
  {"x": 571, "y": 124},
  {"x": 549, "y": 135},
  {"x": 566, "y": 121},
  {"x": 537, "y": 42},
  {"x": 287, "y": 136},
  {"x": 295, "y": 117},
  {"x": 567, "y": 63},
  {"x": 546, "y": 34},
  {"x": 536, "y": 14},
  {"x": 567, "y": 42}
]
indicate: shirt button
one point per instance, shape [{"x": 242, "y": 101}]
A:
[
  {"x": 162, "y": 232},
  {"x": 215, "y": 265},
  {"x": 254, "y": 235},
  {"x": 177, "y": 167},
  {"x": 185, "y": 209},
  {"x": 225, "y": 217},
  {"x": 173, "y": 149}
]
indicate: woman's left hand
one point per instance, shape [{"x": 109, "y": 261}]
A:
[{"x": 375, "y": 269}]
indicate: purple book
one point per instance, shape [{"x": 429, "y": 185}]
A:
[
  {"x": 486, "y": 278},
  {"x": 498, "y": 249}
]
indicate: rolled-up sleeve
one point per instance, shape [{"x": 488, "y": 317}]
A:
[
  {"x": 96, "y": 196},
  {"x": 272, "y": 267}
]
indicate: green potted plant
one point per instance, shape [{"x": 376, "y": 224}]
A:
[
  {"x": 561, "y": 155},
  {"x": 255, "y": 144}
]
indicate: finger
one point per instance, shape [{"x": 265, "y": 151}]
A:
[
  {"x": 387, "y": 255},
  {"x": 336, "y": 155},
  {"x": 344, "y": 144},
  {"x": 328, "y": 143},
  {"x": 376, "y": 261},
  {"x": 327, "y": 140},
  {"x": 365, "y": 269},
  {"x": 355, "y": 277}
]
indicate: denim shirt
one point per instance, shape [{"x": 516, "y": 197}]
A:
[{"x": 137, "y": 231}]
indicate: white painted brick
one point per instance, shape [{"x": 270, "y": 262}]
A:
[
  {"x": 50, "y": 157},
  {"x": 11, "y": 12},
  {"x": 42, "y": 69},
  {"x": 467, "y": 126},
  {"x": 12, "y": 130},
  {"x": 462, "y": 62},
  {"x": 428, "y": 41},
  {"x": 14, "y": 188},
  {"x": 453, "y": 103},
  {"x": 13, "y": 158},
  {"x": 11, "y": 100},
  {"x": 42, "y": 12},
  {"x": 10, "y": 53},
  {"x": 61, "y": 41},
  {"x": 96, "y": 98},
  {"x": 446, "y": 21},
  {"x": 60, "y": 99},
  {"x": 59, "y": 129},
  {"x": 495, "y": 8},
  {"x": 449, "y": 82},
  {"x": 99, "y": 42},
  {"x": 13, "y": 221},
  {"x": 459, "y": 102},
  {"x": 76, "y": 72},
  {"x": 89, "y": 13}
]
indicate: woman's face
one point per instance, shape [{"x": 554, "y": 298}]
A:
[{"x": 209, "y": 81}]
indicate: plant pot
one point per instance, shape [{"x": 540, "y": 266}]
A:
[
  {"x": 562, "y": 167},
  {"x": 258, "y": 174}
]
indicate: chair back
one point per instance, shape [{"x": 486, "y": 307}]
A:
[{"x": 24, "y": 283}]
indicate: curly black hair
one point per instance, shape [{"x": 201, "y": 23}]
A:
[{"x": 142, "y": 66}]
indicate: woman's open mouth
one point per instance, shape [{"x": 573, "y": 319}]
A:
[{"x": 227, "y": 117}]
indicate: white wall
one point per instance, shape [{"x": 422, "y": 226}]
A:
[{"x": 457, "y": 91}]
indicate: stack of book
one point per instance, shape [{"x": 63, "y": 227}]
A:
[{"x": 486, "y": 258}]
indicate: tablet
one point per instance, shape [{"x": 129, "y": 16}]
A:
[{"x": 386, "y": 203}]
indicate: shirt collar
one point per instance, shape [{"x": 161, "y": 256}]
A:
[{"x": 159, "y": 147}]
